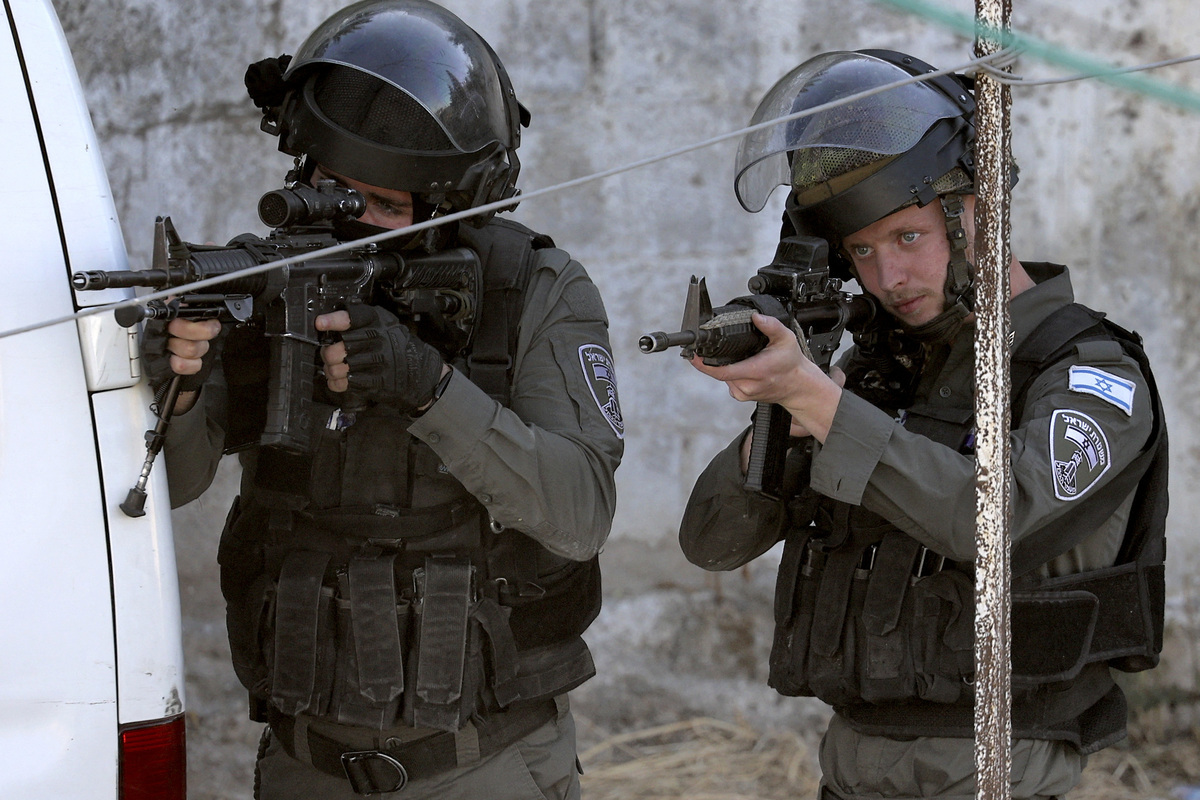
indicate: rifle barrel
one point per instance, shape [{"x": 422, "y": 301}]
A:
[
  {"x": 658, "y": 341},
  {"x": 120, "y": 279}
]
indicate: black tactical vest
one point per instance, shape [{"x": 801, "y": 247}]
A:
[
  {"x": 882, "y": 629},
  {"x": 366, "y": 585}
]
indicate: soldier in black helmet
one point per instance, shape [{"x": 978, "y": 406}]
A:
[
  {"x": 405, "y": 602},
  {"x": 875, "y": 593}
]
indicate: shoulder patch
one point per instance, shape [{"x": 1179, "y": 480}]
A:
[
  {"x": 600, "y": 373},
  {"x": 1105, "y": 385},
  {"x": 1079, "y": 453}
]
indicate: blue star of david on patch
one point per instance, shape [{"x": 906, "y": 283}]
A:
[{"x": 1105, "y": 385}]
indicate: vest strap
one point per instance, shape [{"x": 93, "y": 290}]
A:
[
  {"x": 387, "y": 525},
  {"x": 298, "y": 602},
  {"x": 377, "y": 645},
  {"x": 833, "y": 597},
  {"x": 548, "y": 672},
  {"x": 506, "y": 249},
  {"x": 444, "y": 591}
]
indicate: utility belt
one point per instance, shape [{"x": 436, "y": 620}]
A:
[
  {"x": 891, "y": 621},
  {"x": 379, "y": 763}
]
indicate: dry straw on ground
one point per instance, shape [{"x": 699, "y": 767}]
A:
[
  {"x": 1159, "y": 761},
  {"x": 709, "y": 759},
  {"x": 699, "y": 759}
]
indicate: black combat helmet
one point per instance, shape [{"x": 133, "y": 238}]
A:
[
  {"x": 870, "y": 149},
  {"x": 401, "y": 94}
]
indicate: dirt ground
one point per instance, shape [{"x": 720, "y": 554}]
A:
[{"x": 642, "y": 739}]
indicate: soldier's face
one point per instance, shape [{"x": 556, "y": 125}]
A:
[
  {"x": 386, "y": 208},
  {"x": 902, "y": 261}
]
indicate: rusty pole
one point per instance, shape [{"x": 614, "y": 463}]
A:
[{"x": 993, "y": 670}]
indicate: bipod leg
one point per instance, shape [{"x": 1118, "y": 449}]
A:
[{"x": 135, "y": 501}]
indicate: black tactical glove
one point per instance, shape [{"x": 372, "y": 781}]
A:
[
  {"x": 389, "y": 364},
  {"x": 156, "y": 358}
]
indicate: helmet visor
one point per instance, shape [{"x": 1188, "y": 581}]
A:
[
  {"x": 838, "y": 139},
  {"x": 426, "y": 52}
]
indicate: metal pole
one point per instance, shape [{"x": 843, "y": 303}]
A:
[{"x": 993, "y": 669}]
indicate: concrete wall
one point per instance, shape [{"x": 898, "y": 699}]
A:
[{"x": 1110, "y": 180}]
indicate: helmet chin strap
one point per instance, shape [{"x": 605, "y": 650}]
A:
[{"x": 960, "y": 279}]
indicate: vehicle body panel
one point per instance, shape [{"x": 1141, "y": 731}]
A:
[{"x": 91, "y": 633}]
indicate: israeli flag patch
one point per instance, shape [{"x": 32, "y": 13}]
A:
[{"x": 1105, "y": 385}]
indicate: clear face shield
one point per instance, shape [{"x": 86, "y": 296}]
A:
[
  {"x": 428, "y": 53},
  {"x": 872, "y": 121}
]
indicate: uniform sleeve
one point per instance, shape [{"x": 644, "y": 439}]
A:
[
  {"x": 1084, "y": 421},
  {"x": 546, "y": 464},
  {"x": 723, "y": 525},
  {"x": 194, "y": 445}
]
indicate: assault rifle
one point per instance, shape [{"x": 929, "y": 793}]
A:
[
  {"x": 797, "y": 289},
  {"x": 439, "y": 290}
]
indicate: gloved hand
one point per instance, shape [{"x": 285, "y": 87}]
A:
[
  {"x": 180, "y": 347},
  {"x": 388, "y": 364}
]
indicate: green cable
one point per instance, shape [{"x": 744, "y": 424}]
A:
[{"x": 1045, "y": 51}]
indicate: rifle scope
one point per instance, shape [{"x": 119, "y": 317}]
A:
[{"x": 304, "y": 205}]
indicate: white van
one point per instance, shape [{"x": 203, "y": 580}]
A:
[{"x": 91, "y": 665}]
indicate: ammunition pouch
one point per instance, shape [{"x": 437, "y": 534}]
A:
[
  {"x": 892, "y": 622},
  {"x": 371, "y": 630},
  {"x": 885, "y": 622},
  {"x": 1111, "y": 615}
]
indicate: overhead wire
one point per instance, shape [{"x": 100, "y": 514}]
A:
[
  {"x": 490, "y": 207},
  {"x": 993, "y": 64},
  {"x": 1018, "y": 80}
]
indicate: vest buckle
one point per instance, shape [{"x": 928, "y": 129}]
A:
[{"x": 373, "y": 772}]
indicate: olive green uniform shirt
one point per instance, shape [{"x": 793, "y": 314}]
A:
[
  {"x": 927, "y": 490},
  {"x": 544, "y": 465}
]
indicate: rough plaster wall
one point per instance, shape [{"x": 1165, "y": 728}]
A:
[{"x": 1110, "y": 181}]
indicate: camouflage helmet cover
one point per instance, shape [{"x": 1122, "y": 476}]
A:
[{"x": 875, "y": 140}]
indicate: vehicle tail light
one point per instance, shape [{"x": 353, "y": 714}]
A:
[{"x": 154, "y": 760}]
